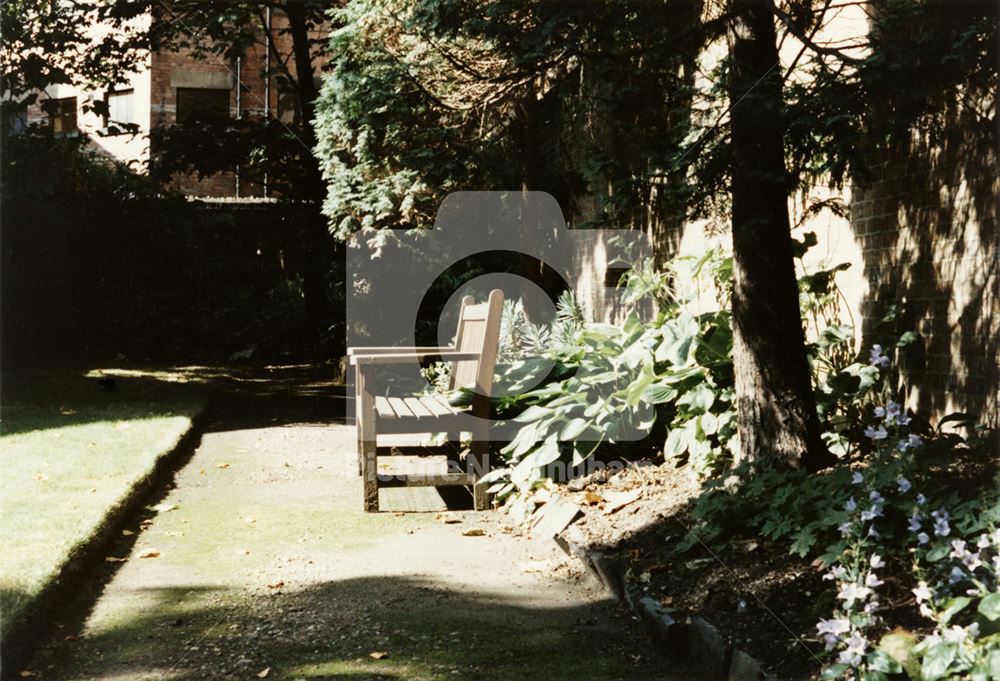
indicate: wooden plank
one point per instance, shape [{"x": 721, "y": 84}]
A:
[
  {"x": 475, "y": 312},
  {"x": 434, "y": 406},
  {"x": 443, "y": 401},
  {"x": 399, "y": 406},
  {"x": 419, "y": 410},
  {"x": 384, "y": 408},
  {"x": 425, "y": 480}
]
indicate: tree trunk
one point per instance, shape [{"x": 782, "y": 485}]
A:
[
  {"x": 319, "y": 249},
  {"x": 776, "y": 408}
]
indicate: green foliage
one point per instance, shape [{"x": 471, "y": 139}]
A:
[{"x": 428, "y": 97}]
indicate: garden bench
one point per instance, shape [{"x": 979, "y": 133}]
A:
[{"x": 473, "y": 361}]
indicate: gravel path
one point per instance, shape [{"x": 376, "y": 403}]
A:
[{"x": 258, "y": 563}]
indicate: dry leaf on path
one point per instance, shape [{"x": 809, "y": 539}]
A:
[
  {"x": 163, "y": 508},
  {"x": 378, "y": 654},
  {"x": 262, "y": 674},
  {"x": 224, "y": 465},
  {"x": 127, "y": 533},
  {"x": 114, "y": 559},
  {"x": 618, "y": 500},
  {"x": 447, "y": 518},
  {"x": 474, "y": 532},
  {"x": 150, "y": 553},
  {"x": 276, "y": 585},
  {"x": 592, "y": 498}
]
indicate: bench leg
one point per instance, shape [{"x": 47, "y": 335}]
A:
[
  {"x": 367, "y": 440},
  {"x": 369, "y": 465},
  {"x": 479, "y": 465}
]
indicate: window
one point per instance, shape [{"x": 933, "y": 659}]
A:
[
  {"x": 199, "y": 105},
  {"x": 121, "y": 108},
  {"x": 62, "y": 115}
]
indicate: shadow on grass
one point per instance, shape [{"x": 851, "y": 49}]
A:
[
  {"x": 240, "y": 398},
  {"x": 329, "y": 631}
]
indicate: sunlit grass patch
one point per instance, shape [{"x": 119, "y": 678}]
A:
[{"x": 72, "y": 450}]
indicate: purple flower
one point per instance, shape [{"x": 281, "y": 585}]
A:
[
  {"x": 876, "y": 561},
  {"x": 874, "y": 433},
  {"x": 851, "y": 505},
  {"x": 857, "y": 478},
  {"x": 923, "y": 592},
  {"x": 921, "y": 499},
  {"x": 914, "y": 525},
  {"x": 922, "y": 538},
  {"x": 904, "y": 484},
  {"x": 876, "y": 358},
  {"x": 956, "y": 576},
  {"x": 941, "y": 527}
]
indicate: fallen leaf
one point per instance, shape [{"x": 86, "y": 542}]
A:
[
  {"x": 224, "y": 465},
  {"x": 276, "y": 585},
  {"x": 127, "y": 533},
  {"x": 250, "y": 521},
  {"x": 70, "y": 637},
  {"x": 618, "y": 500},
  {"x": 202, "y": 472},
  {"x": 41, "y": 476},
  {"x": 114, "y": 559},
  {"x": 447, "y": 518},
  {"x": 67, "y": 411},
  {"x": 25, "y": 674},
  {"x": 592, "y": 498},
  {"x": 378, "y": 654},
  {"x": 150, "y": 553},
  {"x": 473, "y": 532},
  {"x": 174, "y": 533},
  {"x": 163, "y": 508},
  {"x": 263, "y": 672}
]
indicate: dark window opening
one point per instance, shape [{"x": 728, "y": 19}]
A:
[
  {"x": 201, "y": 105},
  {"x": 62, "y": 115}
]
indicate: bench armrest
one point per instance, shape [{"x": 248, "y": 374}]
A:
[
  {"x": 390, "y": 350},
  {"x": 409, "y": 357}
]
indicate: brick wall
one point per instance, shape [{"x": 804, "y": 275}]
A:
[
  {"x": 927, "y": 225},
  {"x": 922, "y": 236}
]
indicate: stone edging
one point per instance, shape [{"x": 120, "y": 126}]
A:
[{"x": 684, "y": 636}]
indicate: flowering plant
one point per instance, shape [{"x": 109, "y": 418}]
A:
[{"x": 954, "y": 564}]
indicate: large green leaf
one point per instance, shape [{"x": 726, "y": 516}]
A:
[
  {"x": 989, "y": 607},
  {"x": 699, "y": 399},
  {"x": 573, "y": 428},
  {"x": 937, "y": 659}
]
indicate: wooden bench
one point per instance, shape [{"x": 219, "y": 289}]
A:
[{"x": 473, "y": 361}]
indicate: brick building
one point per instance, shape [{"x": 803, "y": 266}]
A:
[{"x": 179, "y": 86}]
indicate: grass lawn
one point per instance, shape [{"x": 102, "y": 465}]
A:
[{"x": 71, "y": 451}]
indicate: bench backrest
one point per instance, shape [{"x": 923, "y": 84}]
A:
[{"x": 478, "y": 331}]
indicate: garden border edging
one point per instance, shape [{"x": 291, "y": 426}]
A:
[
  {"x": 682, "y": 635},
  {"x": 32, "y": 623}
]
